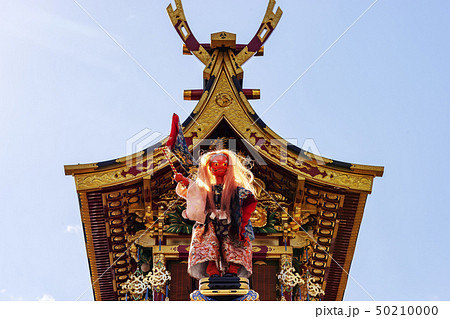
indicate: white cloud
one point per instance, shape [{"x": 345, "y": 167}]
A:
[
  {"x": 46, "y": 297},
  {"x": 73, "y": 229},
  {"x": 2, "y": 291}
]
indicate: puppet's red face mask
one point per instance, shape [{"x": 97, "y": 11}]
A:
[{"x": 218, "y": 165}]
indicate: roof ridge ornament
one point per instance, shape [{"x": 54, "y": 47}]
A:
[
  {"x": 266, "y": 28},
  {"x": 181, "y": 26},
  {"x": 243, "y": 52}
]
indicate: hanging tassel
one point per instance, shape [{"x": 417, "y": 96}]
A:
[
  {"x": 307, "y": 275},
  {"x": 285, "y": 244},
  {"x": 282, "y": 291},
  {"x": 307, "y": 287},
  {"x": 146, "y": 295},
  {"x": 126, "y": 296},
  {"x": 138, "y": 254},
  {"x": 167, "y": 291},
  {"x": 160, "y": 244}
]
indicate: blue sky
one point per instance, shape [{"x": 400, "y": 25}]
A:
[{"x": 378, "y": 96}]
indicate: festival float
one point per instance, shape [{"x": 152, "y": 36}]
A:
[{"x": 305, "y": 218}]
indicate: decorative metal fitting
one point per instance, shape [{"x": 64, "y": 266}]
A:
[
  {"x": 287, "y": 276},
  {"x": 136, "y": 284},
  {"x": 158, "y": 278},
  {"x": 314, "y": 289}
]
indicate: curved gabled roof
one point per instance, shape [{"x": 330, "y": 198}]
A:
[
  {"x": 241, "y": 115},
  {"x": 223, "y": 97}
]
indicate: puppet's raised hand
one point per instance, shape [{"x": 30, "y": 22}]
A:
[{"x": 178, "y": 177}]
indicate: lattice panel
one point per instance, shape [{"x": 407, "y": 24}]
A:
[{"x": 264, "y": 279}]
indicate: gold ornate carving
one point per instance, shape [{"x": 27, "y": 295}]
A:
[
  {"x": 309, "y": 168},
  {"x": 287, "y": 276},
  {"x": 259, "y": 217},
  {"x": 126, "y": 173},
  {"x": 301, "y": 239},
  {"x": 169, "y": 196},
  {"x": 353, "y": 181},
  {"x": 273, "y": 201},
  {"x": 95, "y": 180},
  {"x": 159, "y": 277},
  {"x": 267, "y": 202},
  {"x": 136, "y": 285},
  {"x": 211, "y": 112},
  {"x": 259, "y": 186},
  {"x": 156, "y": 280},
  {"x": 223, "y": 99},
  {"x": 314, "y": 288}
]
